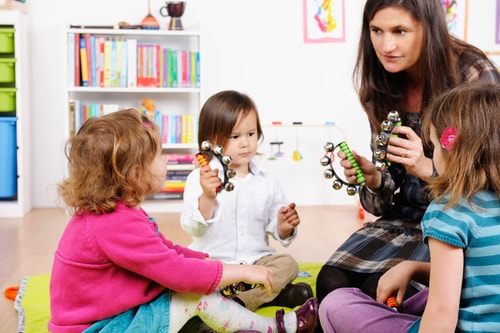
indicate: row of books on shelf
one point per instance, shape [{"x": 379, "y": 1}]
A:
[
  {"x": 174, "y": 128},
  {"x": 104, "y": 61},
  {"x": 179, "y": 166}
]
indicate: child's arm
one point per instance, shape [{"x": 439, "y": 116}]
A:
[
  {"x": 288, "y": 220},
  {"x": 445, "y": 286},
  {"x": 209, "y": 182},
  {"x": 253, "y": 274},
  {"x": 395, "y": 281}
]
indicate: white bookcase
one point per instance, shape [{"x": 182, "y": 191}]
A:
[
  {"x": 180, "y": 100},
  {"x": 20, "y": 204}
]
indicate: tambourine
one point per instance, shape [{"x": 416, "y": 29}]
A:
[
  {"x": 206, "y": 148},
  {"x": 329, "y": 173},
  {"x": 382, "y": 140}
]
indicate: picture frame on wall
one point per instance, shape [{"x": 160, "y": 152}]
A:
[
  {"x": 324, "y": 21},
  {"x": 497, "y": 23}
]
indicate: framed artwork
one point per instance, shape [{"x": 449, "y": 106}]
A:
[
  {"x": 497, "y": 23},
  {"x": 323, "y": 21},
  {"x": 456, "y": 17}
]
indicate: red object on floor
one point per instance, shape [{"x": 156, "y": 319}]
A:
[{"x": 11, "y": 292}]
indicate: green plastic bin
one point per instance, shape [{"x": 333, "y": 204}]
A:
[
  {"x": 7, "y": 70},
  {"x": 7, "y": 99},
  {"x": 7, "y": 40}
]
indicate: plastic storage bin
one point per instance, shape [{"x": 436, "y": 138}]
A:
[
  {"x": 7, "y": 70},
  {"x": 7, "y": 40},
  {"x": 7, "y": 99},
  {"x": 8, "y": 157}
]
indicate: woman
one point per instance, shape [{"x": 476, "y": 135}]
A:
[{"x": 406, "y": 57}]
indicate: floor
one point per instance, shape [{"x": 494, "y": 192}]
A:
[{"x": 27, "y": 244}]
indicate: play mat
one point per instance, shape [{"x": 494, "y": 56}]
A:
[{"x": 32, "y": 299}]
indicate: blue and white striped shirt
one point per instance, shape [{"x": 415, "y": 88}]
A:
[{"x": 476, "y": 230}]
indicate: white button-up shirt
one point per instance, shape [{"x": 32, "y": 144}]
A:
[{"x": 243, "y": 218}]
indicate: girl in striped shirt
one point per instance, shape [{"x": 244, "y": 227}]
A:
[{"x": 461, "y": 227}]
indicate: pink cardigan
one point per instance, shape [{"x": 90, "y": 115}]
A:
[{"x": 107, "y": 264}]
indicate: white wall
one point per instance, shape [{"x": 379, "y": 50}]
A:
[{"x": 252, "y": 46}]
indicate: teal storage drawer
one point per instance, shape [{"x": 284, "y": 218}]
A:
[
  {"x": 7, "y": 99},
  {"x": 8, "y": 157},
  {"x": 7, "y": 40},
  {"x": 7, "y": 70}
]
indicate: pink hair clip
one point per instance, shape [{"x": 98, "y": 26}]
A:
[
  {"x": 150, "y": 125},
  {"x": 448, "y": 137}
]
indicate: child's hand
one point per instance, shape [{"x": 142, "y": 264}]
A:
[
  {"x": 252, "y": 274},
  {"x": 288, "y": 220},
  {"x": 209, "y": 181}
]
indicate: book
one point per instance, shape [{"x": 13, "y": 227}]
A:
[
  {"x": 71, "y": 59},
  {"x": 93, "y": 71},
  {"x": 84, "y": 63},
  {"x": 165, "y": 68},
  {"x": 132, "y": 63},
  {"x": 99, "y": 65},
  {"x": 76, "y": 53},
  {"x": 89, "y": 65},
  {"x": 107, "y": 62}
]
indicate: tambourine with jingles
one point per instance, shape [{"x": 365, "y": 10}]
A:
[
  {"x": 382, "y": 140},
  {"x": 329, "y": 173},
  {"x": 206, "y": 148}
]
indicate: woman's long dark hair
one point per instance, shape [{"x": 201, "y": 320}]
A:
[{"x": 380, "y": 91}]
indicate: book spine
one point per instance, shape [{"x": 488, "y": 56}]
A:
[
  {"x": 197, "y": 69},
  {"x": 93, "y": 60},
  {"x": 184, "y": 68},
  {"x": 132, "y": 63},
  {"x": 77, "y": 69},
  {"x": 158, "y": 70},
  {"x": 113, "y": 64},
  {"x": 84, "y": 63},
  {"x": 99, "y": 41},
  {"x": 107, "y": 62},
  {"x": 164, "y": 129},
  {"x": 71, "y": 59},
  {"x": 89, "y": 64},
  {"x": 193, "y": 68}
]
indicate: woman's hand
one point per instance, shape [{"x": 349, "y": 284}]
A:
[
  {"x": 407, "y": 149},
  {"x": 372, "y": 176}
]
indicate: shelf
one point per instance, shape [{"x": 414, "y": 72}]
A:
[
  {"x": 172, "y": 98},
  {"x": 138, "y": 32},
  {"x": 133, "y": 90}
]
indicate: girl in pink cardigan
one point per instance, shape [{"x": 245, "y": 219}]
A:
[{"x": 114, "y": 271}]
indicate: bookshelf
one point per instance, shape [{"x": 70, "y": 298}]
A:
[
  {"x": 162, "y": 66},
  {"x": 20, "y": 203}
]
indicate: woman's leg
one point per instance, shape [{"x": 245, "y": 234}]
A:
[
  {"x": 348, "y": 310},
  {"x": 331, "y": 278},
  {"x": 222, "y": 314}
]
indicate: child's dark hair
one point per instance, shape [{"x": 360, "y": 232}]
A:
[
  {"x": 471, "y": 163},
  {"x": 109, "y": 160},
  {"x": 221, "y": 113}
]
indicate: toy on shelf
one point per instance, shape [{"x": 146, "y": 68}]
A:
[
  {"x": 206, "y": 148},
  {"x": 329, "y": 173},
  {"x": 174, "y": 9},
  {"x": 297, "y": 156},
  {"x": 380, "y": 153},
  {"x": 150, "y": 22},
  {"x": 277, "y": 143}
]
